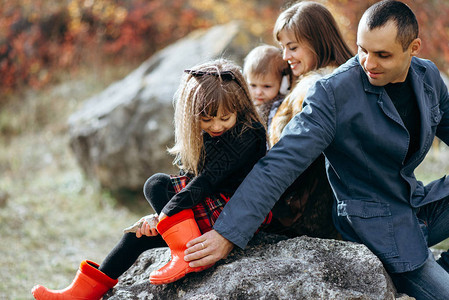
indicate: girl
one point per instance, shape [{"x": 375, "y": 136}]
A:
[{"x": 218, "y": 139}]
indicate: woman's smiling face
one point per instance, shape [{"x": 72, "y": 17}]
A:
[{"x": 299, "y": 55}]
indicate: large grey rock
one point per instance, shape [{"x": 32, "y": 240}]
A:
[
  {"x": 121, "y": 135},
  {"x": 270, "y": 268}
]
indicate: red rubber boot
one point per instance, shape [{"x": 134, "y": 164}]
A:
[
  {"x": 177, "y": 231},
  {"x": 89, "y": 284}
]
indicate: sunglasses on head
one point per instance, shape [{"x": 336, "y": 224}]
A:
[{"x": 224, "y": 75}]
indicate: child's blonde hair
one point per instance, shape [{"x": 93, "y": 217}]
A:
[
  {"x": 203, "y": 90},
  {"x": 265, "y": 59}
]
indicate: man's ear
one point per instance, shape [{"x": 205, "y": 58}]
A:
[{"x": 415, "y": 47}]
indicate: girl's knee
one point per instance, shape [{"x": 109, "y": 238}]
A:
[
  {"x": 156, "y": 181},
  {"x": 158, "y": 190}
]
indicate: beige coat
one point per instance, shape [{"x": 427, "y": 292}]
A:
[{"x": 293, "y": 102}]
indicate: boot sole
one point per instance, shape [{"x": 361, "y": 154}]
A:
[{"x": 178, "y": 276}]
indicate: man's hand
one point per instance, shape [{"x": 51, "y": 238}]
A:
[{"x": 207, "y": 249}]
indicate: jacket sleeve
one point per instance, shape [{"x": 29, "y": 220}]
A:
[
  {"x": 223, "y": 156},
  {"x": 304, "y": 138},
  {"x": 443, "y": 111}
]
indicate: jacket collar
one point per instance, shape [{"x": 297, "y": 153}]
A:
[{"x": 417, "y": 69}]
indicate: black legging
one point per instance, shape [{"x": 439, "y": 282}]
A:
[{"x": 158, "y": 190}]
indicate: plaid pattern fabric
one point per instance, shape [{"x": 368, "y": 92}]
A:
[
  {"x": 179, "y": 182},
  {"x": 206, "y": 212}
]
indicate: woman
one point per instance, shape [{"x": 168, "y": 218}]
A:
[{"x": 313, "y": 46}]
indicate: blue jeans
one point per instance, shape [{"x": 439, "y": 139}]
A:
[{"x": 430, "y": 281}]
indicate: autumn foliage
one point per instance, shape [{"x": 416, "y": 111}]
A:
[{"x": 41, "y": 38}]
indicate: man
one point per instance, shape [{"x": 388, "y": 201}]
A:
[{"x": 374, "y": 119}]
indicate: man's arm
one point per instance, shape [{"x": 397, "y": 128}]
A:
[
  {"x": 304, "y": 138},
  {"x": 443, "y": 126}
]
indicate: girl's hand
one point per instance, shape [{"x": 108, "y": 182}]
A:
[
  {"x": 146, "y": 229},
  {"x": 148, "y": 226},
  {"x": 152, "y": 220}
]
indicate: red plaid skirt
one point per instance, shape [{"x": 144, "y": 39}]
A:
[{"x": 206, "y": 212}]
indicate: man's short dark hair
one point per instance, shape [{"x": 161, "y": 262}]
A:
[{"x": 380, "y": 13}]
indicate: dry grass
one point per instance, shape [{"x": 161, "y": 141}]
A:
[
  {"x": 436, "y": 164},
  {"x": 51, "y": 217}
]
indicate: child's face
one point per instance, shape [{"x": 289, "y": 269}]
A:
[
  {"x": 216, "y": 126},
  {"x": 263, "y": 88},
  {"x": 298, "y": 55}
]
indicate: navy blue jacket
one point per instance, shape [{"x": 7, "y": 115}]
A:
[{"x": 357, "y": 127}]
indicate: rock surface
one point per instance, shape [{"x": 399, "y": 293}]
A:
[
  {"x": 120, "y": 136},
  {"x": 272, "y": 267}
]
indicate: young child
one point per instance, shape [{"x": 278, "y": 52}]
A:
[
  {"x": 268, "y": 77},
  {"x": 218, "y": 139}
]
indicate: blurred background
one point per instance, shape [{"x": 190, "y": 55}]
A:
[{"x": 55, "y": 54}]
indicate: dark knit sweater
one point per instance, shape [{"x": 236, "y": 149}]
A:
[{"x": 228, "y": 159}]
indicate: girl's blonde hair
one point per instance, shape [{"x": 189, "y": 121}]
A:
[
  {"x": 312, "y": 23},
  {"x": 203, "y": 90}
]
